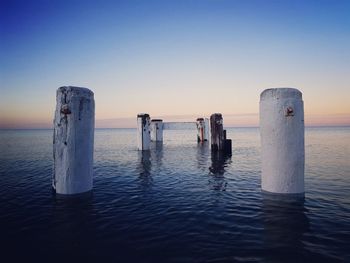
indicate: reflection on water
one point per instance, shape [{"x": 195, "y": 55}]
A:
[
  {"x": 219, "y": 161},
  {"x": 285, "y": 222},
  {"x": 202, "y": 155},
  {"x": 157, "y": 152},
  {"x": 174, "y": 203},
  {"x": 72, "y": 225},
  {"x": 145, "y": 164},
  {"x": 144, "y": 168},
  {"x": 149, "y": 161}
]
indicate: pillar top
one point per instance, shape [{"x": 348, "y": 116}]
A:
[
  {"x": 79, "y": 91},
  {"x": 280, "y": 93},
  {"x": 142, "y": 115}
]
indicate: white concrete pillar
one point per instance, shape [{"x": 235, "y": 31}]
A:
[
  {"x": 200, "y": 130},
  {"x": 157, "y": 130},
  {"x": 282, "y": 140},
  {"x": 73, "y": 140},
  {"x": 206, "y": 129},
  {"x": 217, "y": 132},
  {"x": 143, "y": 132}
]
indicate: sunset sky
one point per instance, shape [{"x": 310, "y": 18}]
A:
[{"x": 173, "y": 59}]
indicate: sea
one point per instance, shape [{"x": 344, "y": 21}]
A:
[{"x": 177, "y": 202}]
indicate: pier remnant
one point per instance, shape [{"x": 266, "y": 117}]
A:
[
  {"x": 282, "y": 140},
  {"x": 227, "y": 144},
  {"x": 207, "y": 129},
  {"x": 157, "y": 130},
  {"x": 217, "y": 132},
  {"x": 73, "y": 140},
  {"x": 152, "y": 129},
  {"x": 202, "y": 129},
  {"x": 143, "y": 132},
  {"x": 219, "y": 142}
]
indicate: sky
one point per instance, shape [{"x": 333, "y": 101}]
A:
[{"x": 177, "y": 60}]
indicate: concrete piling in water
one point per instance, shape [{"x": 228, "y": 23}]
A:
[
  {"x": 73, "y": 140},
  {"x": 282, "y": 140},
  {"x": 207, "y": 129},
  {"x": 143, "y": 132},
  {"x": 227, "y": 144},
  {"x": 201, "y": 130},
  {"x": 157, "y": 130},
  {"x": 217, "y": 132},
  {"x": 219, "y": 142}
]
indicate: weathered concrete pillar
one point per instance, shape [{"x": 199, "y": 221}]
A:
[
  {"x": 282, "y": 140},
  {"x": 157, "y": 130},
  {"x": 143, "y": 132},
  {"x": 200, "y": 130},
  {"x": 227, "y": 144},
  {"x": 217, "y": 132},
  {"x": 73, "y": 140},
  {"x": 207, "y": 129},
  {"x": 219, "y": 142}
]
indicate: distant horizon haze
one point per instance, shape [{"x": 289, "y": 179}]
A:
[{"x": 230, "y": 120}]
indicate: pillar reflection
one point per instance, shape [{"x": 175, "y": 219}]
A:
[
  {"x": 285, "y": 222},
  {"x": 144, "y": 168},
  {"x": 202, "y": 155},
  {"x": 219, "y": 161}
]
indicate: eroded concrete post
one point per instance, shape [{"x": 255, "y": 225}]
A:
[
  {"x": 227, "y": 144},
  {"x": 200, "y": 130},
  {"x": 207, "y": 129},
  {"x": 219, "y": 142},
  {"x": 143, "y": 132},
  {"x": 73, "y": 140},
  {"x": 217, "y": 132},
  {"x": 157, "y": 130},
  {"x": 282, "y": 140}
]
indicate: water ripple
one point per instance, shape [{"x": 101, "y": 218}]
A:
[{"x": 175, "y": 203}]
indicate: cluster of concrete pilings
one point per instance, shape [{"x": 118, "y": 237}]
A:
[
  {"x": 281, "y": 132},
  {"x": 152, "y": 130}
]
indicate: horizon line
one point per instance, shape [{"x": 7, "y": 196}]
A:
[
  {"x": 231, "y": 120},
  {"x": 101, "y": 128}
]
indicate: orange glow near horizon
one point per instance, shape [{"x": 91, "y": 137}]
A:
[{"x": 230, "y": 120}]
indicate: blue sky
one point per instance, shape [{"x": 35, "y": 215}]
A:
[{"x": 173, "y": 57}]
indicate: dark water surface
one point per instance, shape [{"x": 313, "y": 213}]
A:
[{"x": 175, "y": 203}]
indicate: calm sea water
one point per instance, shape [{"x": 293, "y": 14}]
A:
[{"x": 175, "y": 203}]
